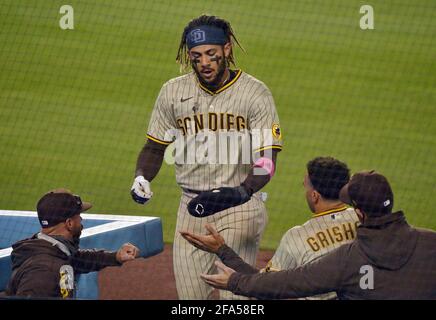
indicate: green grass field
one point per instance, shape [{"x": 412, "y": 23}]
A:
[{"x": 75, "y": 104}]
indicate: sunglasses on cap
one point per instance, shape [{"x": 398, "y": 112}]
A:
[{"x": 78, "y": 201}]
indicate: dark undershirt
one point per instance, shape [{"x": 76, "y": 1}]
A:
[{"x": 215, "y": 88}]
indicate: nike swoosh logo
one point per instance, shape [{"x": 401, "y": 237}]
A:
[{"x": 183, "y": 100}]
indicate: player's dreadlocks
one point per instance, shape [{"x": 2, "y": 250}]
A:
[{"x": 182, "y": 54}]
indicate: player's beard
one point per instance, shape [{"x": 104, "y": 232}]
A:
[
  {"x": 76, "y": 233},
  {"x": 215, "y": 83}
]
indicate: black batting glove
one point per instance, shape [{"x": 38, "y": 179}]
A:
[{"x": 210, "y": 202}]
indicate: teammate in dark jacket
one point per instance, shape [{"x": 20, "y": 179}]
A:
[
  {"x": 389, "y": 259},
  {"x": 45, "y": 265}
]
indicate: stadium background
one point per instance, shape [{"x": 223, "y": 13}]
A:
[{"x": 75, "y": 104}]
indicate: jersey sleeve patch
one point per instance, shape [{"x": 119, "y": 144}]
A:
[{"x": 276, "y": 132}]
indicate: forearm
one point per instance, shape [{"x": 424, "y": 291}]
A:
[
  {"x": 274, "y": 285},
  {"x": 150, "y": 160},
  {"x": 85, "y": 261},
  {"x": 232, "y": 260},
  {"x": 320, "y": 276},
  {"x": 258, "y": 177}
]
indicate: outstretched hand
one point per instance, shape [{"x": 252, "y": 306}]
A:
[
  {"x": 210, "y": 242},
  {"x": 221, "y": 279}
]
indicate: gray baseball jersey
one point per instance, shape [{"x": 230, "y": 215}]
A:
[
  {"x": 212, "y": 137},
  {"x": 323, "y": 233}
]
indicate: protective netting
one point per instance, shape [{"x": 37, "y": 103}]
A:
[{"x": 75, "y": 104}]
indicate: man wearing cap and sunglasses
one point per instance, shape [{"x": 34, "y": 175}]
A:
[
  {"x": 45, "y": 265},
  {"x": 388, "y": 260}
]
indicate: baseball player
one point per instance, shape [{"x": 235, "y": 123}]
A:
[
  {"x": 332, "y": 225},
  {"x": 225, "y": 135},
  {"x": 388, "y": 260}
]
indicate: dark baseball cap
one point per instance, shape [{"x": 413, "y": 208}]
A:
[
  {"x": 58, "y": 205},
  {"x": 370, "y": 192}
]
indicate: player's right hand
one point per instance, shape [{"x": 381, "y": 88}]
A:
[
  {"x": 211, "y": 242},
  {"x": 140, "y": 191},
  {"x": 127, "y": 252}
]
